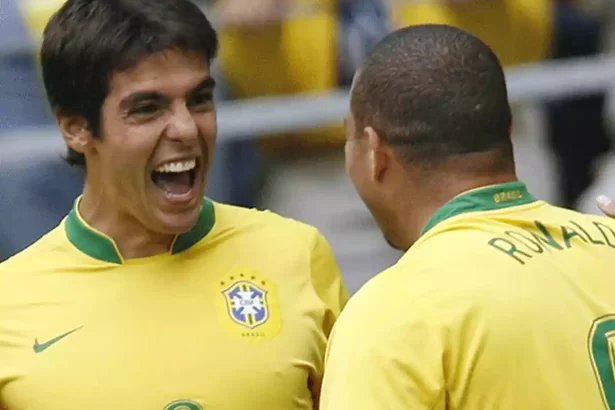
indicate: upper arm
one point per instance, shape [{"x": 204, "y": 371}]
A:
[
  {"x": 383, "y": 355},
  {"x": 329, "y": 287},
  {"x": 327, "y": 281}
]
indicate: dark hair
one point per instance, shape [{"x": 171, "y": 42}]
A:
[
  {"x": 434, "y": 91},
  {"x": 87, "y": 41}
]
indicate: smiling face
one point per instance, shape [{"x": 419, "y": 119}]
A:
[{"x": 158, "y": 133}]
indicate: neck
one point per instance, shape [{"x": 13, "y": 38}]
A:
[
  {"x": 416, "y": 212},
  {"x": 132, "y": 239}
]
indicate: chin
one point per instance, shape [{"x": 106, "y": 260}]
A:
[
  {"x": 388, "y": 232},
  {"x": 393, "y": 244}
]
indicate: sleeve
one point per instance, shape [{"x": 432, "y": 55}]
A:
[
  {"x": 383, "y": 357},
  {"x": 329, "y": 286},
  {"x": 327, "y": 281}
]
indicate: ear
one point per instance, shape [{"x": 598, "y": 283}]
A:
[
  {"x": 76, "y": 133},
  {"x": 379, "y": 155}
]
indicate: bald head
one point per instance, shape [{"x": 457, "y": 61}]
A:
[{"x": 434, "y": 92}]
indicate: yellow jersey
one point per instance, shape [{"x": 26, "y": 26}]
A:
[
  {"x": 505, "y": 302},
  {"x": 295, "y": 56},
  {"x": 235, "y": 316},
  {"x": 518, "y": 31}
]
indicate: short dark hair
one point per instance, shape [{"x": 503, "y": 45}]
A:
[
  {"x": 433, "y": 92},
  {"x": 87, "y": 41}
]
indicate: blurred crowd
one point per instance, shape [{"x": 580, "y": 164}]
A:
[{"x": 272, "y": 47}]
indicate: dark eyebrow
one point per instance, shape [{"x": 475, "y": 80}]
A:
[
  {"x": 207, "y": 84},
  {"x": 140, "y": 96}
]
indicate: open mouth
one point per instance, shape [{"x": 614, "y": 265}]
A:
[{"x": 176, "y": 178}]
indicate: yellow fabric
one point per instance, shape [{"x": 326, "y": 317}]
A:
[
  {"x": 519, "y": 31},
  {"x": 462, "y": 324},
  {"x": 157, "y": 333},
  {"x": 296, "y": 56},
  {"x": 37, "y": 13}
]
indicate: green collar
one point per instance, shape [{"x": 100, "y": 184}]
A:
[
  {"x": 100, "y": 246},
  {"x": 483, "y": 199}
]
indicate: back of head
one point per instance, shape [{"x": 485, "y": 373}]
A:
[
  {"x": 435, "y": 93},
  {"x": 87, "y": 41}
]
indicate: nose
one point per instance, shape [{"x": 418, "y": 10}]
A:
[{"x": 181, "y": 126}]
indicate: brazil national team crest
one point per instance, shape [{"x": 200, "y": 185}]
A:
[{"x": 248, "y": 305}]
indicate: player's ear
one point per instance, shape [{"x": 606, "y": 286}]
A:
[
  {"x": 75, "y": 131},
  {"x": 378, "y": 154}
]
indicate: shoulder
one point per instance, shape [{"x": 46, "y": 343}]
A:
[
  {"x": 387, "y": 321},
  {"x": 43, "y": 252},
  {"x": 602, "y": 220},
  {"x": 298, "y": 246},
  {"x": 388, "y": 293},
  {"x": 264, "y": 224},
  {"x": 423, "y": 284}
]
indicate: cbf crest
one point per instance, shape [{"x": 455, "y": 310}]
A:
[{"x": 248, "y": 305}]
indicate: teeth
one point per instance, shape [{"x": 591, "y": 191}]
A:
[{"x": 179, "y": 166}]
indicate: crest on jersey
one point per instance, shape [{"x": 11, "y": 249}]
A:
[{"x": 247, "y": 304}]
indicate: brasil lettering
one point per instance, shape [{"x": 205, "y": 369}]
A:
[
  {"x": 507, "y": 196},
  {"x": 524, "y": 244}
]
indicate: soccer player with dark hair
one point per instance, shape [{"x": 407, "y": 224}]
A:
[
  {"x": 147, "y": 295},
  {"x": 501, "y": 301}
]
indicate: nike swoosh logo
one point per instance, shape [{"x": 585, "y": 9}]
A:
[{"x": 41, "y": 347}]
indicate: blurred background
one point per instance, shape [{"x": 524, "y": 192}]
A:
[{"x": 284, "y": 70}]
